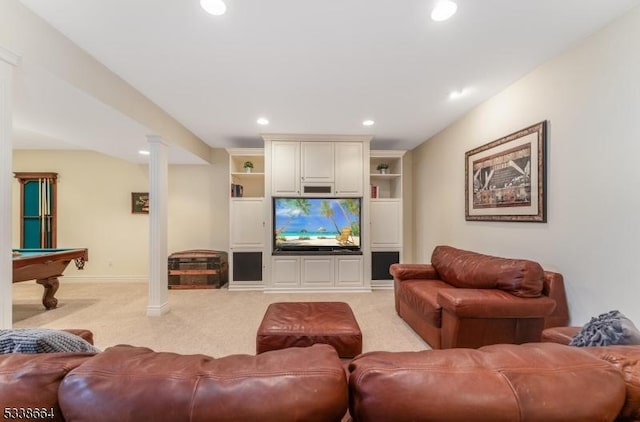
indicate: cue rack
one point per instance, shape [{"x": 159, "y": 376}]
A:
[{"x": 38, "y": 199}]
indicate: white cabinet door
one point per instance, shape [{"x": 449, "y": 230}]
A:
[
  {"x": 285, "y": 271},
  {"x": 349, "y": 271},
  {"x": 247, "y": 222},
  {"x": 317, "y": 271},
  {"x": 285, "y": 168},
  {"x": 386, "y": 223},
  {"x": 349, "y": 168},
  {"x": 317, "y": 162}
]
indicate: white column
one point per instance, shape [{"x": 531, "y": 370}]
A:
[
  {"x": 158, "y": 223},
  {"x": 8, "y": 61}
]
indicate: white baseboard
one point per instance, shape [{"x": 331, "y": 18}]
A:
[
  {"x": 381, "y": 284},
  {"x": 105, "y": 279},
  {"x": 244, "y": 287},
  {"x": 318, "y": 290},
  {"x": 382, "y": 287}
]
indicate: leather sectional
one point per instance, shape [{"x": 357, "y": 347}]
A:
[{"x": 532, "y": 382}]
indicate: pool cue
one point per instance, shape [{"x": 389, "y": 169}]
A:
[
  {"x": 46, "y": 217},
  {"x": 40, "y": 205},
  {"x": 49, "y": 243}
]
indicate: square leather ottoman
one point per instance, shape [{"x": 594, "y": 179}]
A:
[{"x": 301, "y": 324}]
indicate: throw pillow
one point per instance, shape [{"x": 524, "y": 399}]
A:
[
  {"x": 42, "y": 340},
  {"x": 611, "y": 328}
]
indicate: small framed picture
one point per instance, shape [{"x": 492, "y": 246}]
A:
[{"x": 140, "y": 202}]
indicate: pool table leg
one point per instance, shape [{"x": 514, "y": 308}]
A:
[{"x": 50, "y": 288}]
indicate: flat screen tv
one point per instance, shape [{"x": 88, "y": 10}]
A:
[{"x": 316, "y": 224}]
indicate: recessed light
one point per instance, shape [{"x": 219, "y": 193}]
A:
[
  {"x": 143, "y": 152},
  {"x": 444, "y": 10},
  {"x": 454, "y": 95},
  {"x": 368, "y": 123},
  {"x": 262, "y": 121},
  {"x": 214, "y": 7}
]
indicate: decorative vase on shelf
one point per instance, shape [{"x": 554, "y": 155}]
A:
[
  {"x": 382, "y": 171},
  {"x": 248, "y": 169},
  {"x": 248, "y": 166}
]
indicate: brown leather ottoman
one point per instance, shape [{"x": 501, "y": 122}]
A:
[{"x": 301, "y": 324}]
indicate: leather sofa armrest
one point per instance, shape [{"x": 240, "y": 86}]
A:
[
  {"x": 413, "y": 271},
  {"x": 489, "y": 303},
  {"x": 553, "y": 286},
  {"x": 87, "y": 335},
  {"x": 560, "y": 335}
]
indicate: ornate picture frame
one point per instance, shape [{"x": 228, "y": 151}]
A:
[
  {"x": 505, "y": 180},
  {"x": 139, "y": 202}
]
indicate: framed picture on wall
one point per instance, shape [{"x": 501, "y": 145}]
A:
[
  {"x": 140, "y": 202},
  {"x": 505, "y": 180}
]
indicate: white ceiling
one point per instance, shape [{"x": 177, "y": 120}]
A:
[{"x": 309, "y": 66}]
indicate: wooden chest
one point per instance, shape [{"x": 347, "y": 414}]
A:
[{"x": 198, "y": 269}]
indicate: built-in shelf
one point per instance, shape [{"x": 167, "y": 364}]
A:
[
  {"x": 246, "y": 219},
  {"x": 385, "y": 208}
]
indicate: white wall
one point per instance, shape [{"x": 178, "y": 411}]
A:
[
  {"x": 591, "y": 97},
  {"x": 94, "y": 209}
]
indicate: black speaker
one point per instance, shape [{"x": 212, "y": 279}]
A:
[
  {"x": 380, "y": 263},
  {"x": 247, "y": 266}
]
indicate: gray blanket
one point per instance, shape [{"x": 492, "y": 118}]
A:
[
  {"x": 42, "y": 340},
  {"x": 605, "y": 330}
]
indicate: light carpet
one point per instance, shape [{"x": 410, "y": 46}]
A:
[{"x": 214, "y": 322}]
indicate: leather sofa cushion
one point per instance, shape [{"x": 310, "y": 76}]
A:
[
  {"x": 32, "y": 380},
  {"x": 532, "y": 382},
  {"x": 422, "y": 296},
  {"x": 126, "y": 383},
  {"x": 492, "y": 303},
  {"x": 466, "y": 269}
]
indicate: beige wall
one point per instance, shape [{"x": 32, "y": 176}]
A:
[
  {"x": 591, "y": 97},
  {"x": 94, "y": 209}
]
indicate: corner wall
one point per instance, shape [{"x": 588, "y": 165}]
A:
[{"x": 590, "y": 96}]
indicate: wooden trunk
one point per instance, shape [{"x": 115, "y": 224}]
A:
[{"x": 198, "y": 269}]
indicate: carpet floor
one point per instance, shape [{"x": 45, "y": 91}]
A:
[{"x": 214, "y": 322}]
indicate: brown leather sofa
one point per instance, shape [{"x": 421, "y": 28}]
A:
[
  {"x": 126, "y": 383},
  {"x": 503, "y": 382},
  {"x": 538, "y": 382},
  {"x": 467, "y": 299}
]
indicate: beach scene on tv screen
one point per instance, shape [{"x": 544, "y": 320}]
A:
[{"x": 324, "y": 222}]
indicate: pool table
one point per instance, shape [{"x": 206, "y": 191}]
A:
[{"x": 45, "y": 266}]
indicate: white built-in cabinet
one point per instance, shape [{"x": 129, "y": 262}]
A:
[
  {"x": 247, "y": 219},
  {"x": 312, "y": 168},
  {"x": 349, "y": 168},
  {"x": 285, "y": 272},
  {"x": 386, "y": 213},
  {"x": 317, "y": 162},
  {"x": 349, "y": 272},
  {"x": 386, "y": 223},
  {"x": 285, "y": 168},
  {"x": 332, "y": 166},
  {"x": 248, "y": 213},
  {"x": 318, "y": 272}
]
